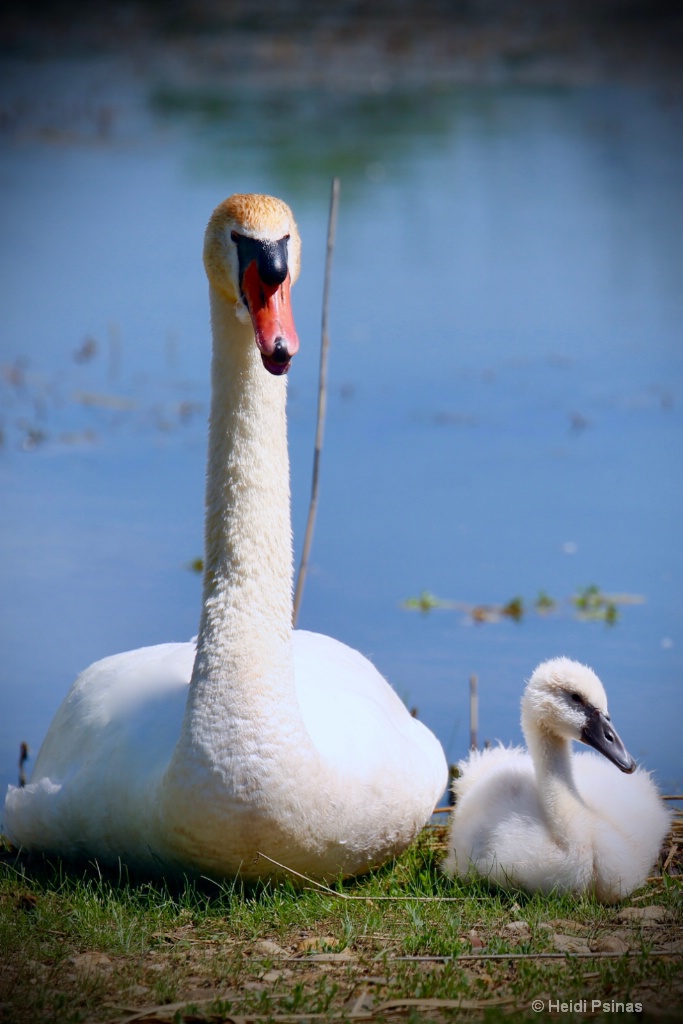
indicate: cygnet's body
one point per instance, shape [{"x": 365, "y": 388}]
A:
[
  {"x": 542, "y": 820},
  {"x": 258, "y": 739}
]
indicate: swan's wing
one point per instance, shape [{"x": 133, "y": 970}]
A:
[
  {"x": 631, "y": 802},
  {"x": 505, "y": 764},
  {"x": 498, "y": 829},
  {"x": 635, "y": 819},
  {"x": 354, "y": 716},
  {"x": 107, "y": 745},
  {"x": 496, "y": 798},
  {"x": 131, "y": 703}
]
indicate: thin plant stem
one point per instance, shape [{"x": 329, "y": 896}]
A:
[
  {"x": 322, "y": 403},
  {"x": 474, "y": 712}
]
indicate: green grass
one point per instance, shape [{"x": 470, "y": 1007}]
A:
[{"x": 79, "y": 945}]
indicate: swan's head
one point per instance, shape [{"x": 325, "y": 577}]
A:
[
  {"x": 251, "y": 255},
  {"x": 566, "y": 699}
]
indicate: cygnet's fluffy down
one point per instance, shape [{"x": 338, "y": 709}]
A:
[{"x": 542, "y": 820}]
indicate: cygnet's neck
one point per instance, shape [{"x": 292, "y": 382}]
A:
[
  {"x": 244, "y": 659},
  {"x": 551, "y": 756}
]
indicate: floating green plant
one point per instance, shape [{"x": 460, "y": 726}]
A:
[
  {"x": 514, "y": 609},
  {"x": 424, "y": 603},
  {"x": 544, "y": 603},
  {"x": 590, "y": 604}
]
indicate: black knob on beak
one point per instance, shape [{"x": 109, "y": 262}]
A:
[
  {"x": 270, "y": 257},
  {"x": 280, "y": 352}
]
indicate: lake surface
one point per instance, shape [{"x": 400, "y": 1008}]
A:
[{"x": 506, "y": 380}]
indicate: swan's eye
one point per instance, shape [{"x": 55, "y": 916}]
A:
[
  {"x": 235, "y": 236},
  {"x": 577, "y": 698}
]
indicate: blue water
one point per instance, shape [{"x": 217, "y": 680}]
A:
[{"x": 506, "y": 384}]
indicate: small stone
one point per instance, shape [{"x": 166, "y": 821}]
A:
[
  {"x": 568, "y": 926},
  {"x": 358, "y": 1005},
  {"x": 272, "y": 976},
  {"x": 516, "y": 929},
  {"x": 643, "y": 915},
  {"x": 324, "y": 958},
  {"x": 319, "y": 942},
  {"x": 474, "y": 939},
  {"x": 609, "y": 944},
  {"x": 267, "y": 948},
  {"x": 91, "y": 962},
  {"x": 569, "y": 943},
  {"x": 672, "y": 946},
  {"x": 138, "y": 990}
]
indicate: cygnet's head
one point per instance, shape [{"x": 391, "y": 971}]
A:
[
  {"x": 252, "y": 252},
  {"x": 567, "y": 700}
]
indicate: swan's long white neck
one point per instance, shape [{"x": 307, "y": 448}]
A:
[
  {"x": 560, "y": 799},
  {"x": 244, "y": 659}
]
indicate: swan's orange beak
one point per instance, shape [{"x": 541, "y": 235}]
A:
[{"x": 270, "y": 308}]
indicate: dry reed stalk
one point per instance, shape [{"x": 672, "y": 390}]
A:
[
  {"x": 597, "y": 955},
  {"x": 670, "y": 856},
  {"x": 321, "y": 887},
  {"x": 474, "y": 712},
  {"x": 322, "y": 403}
]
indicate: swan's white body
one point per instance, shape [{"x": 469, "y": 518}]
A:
[
  {"x": 257, "y": 739},
  {"x": 542, "y": 820}
]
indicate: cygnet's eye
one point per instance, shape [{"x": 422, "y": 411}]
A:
[{"x": 577, "y": 698}]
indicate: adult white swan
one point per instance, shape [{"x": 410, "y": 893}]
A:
[
  {"x": 260, "y": 739},
  {"x": 543, "y": 820}
]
